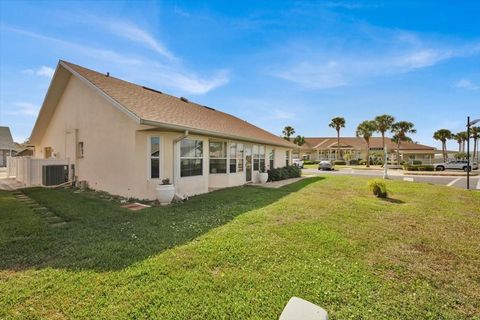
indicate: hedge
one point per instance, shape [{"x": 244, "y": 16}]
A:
[
  {"x": 311, "y": 162},
  {"x": 340, "y": 162},
  {"x": 418, "y": 167},
  {"x": 288, "y": 172}
]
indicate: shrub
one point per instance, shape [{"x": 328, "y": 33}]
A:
[
  {"x": 378, "y": 187},
  {"x": 278, "y": 174},
  {"x": 412, "y": 167},
  {"x": 354, "y": 162},
  {"x": 340, "y": 162},
  {"x": 414, "y": 162},
  {"x": 310, "y": 162},
  {"x": 362, "y": 162}
]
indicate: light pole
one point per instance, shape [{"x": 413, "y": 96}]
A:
[
  {"x": 385, "y": 163},
  {"x": 469, "y": 124}
]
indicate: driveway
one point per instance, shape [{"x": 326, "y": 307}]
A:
[{"x": 458, "y": 182}]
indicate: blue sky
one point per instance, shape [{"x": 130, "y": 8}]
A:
[{"x": 272, "y": 63}]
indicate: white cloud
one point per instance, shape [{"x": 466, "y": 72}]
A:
[
  {"x": 467, "y": 84},
  {"x": 331, "y": 69},
  {"x": 79, "y": 49},
  {"x": 134, "y": 33},
  {"x": 46, "y": 71},
  {"x": 43, "y": 71},
  {"x": 281, "y": 115},
  {"x": 160, "y": 75},
  {"x": 138, "y": 69},
  {"x": 24, "y": 109}
]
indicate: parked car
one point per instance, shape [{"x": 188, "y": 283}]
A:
[
  {"x": 326, "y": 165},
  {"x": 298, "y": 163},
  {"x": 456, "y": 165}
]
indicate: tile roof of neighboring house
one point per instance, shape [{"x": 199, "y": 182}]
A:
[
  {"x": 359, "y": 143},
  {"x": 157, "y": 107},
  {"x": 6, "y": 140}
]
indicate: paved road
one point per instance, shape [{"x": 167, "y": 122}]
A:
[{"x": 458, "y": 182}]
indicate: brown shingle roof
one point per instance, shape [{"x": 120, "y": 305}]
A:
[
  {"x": 6, "y": 140},
  {"x": 359, "y": 143},
  {"x": 158, "y": 107}
]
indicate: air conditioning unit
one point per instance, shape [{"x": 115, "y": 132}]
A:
[{"x": 54, "y": 175}]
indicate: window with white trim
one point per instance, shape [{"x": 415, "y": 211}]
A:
[
  {"x": 218, "y": 157},
  {"x": 287, "y": 158},
  {"x": 236, "y": 157},
  {"x": 191, "y": 158},
  {"x": 271, "y": 157},
  {"x": 154, "y": 157},
  {"x": 258, "y": 158},
  {"x": 240, "y": 153}
]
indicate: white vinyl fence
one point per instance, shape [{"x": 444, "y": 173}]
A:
[{"x": 28, "y": 170}]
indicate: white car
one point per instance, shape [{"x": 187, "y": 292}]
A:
[
  {"x": 326, "y": 165},
  {"x": 456, "y": 165},
  {"x": 298, "y": 163}
]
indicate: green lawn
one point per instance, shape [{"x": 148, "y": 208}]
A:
[{"x": 241, "y": 253}]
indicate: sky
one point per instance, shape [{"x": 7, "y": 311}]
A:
[{"x": 272, "y": 63}]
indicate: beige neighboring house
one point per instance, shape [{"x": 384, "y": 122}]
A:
[
  {"x": 7, "y": 146},
  {"x": 124, "y": 138},
  {"x": 351, "y": 148}
]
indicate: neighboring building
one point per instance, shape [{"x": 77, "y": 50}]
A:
[
  {"x": 124, "y": 138},
  {"x": 351, "y": 148},
  {"x": 7, "y": 146}
]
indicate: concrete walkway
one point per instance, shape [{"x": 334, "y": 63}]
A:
[
  {"x": 10, "y": 184},
  {"x": 277, "y": 184}
]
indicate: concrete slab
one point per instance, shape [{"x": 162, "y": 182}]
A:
[
  {"x": 10, "y": 184},
  {"x": 277, "y": 184}
]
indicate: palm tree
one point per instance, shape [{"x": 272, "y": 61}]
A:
[
  {"x": 299, "y": 140},
  {"x": 366, "y": 130},
  {"x": 288, "y": 132},
  {"x": 475, "y": 132},
  {"x": 384, "y": 123},
  {"x": 337, "y": 123},
  {"x": 401, "y": 129},
  {"x": 443, "y": 135},
  {"x": 459, "y": 139},
  {"x": 463, "y": 137}
]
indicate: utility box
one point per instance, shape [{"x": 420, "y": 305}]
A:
[{"x": 53, "y": 175}]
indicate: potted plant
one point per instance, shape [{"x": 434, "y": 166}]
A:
[
  {"x": 165, "y": 192},
  {"x": 263, "y": 176}
]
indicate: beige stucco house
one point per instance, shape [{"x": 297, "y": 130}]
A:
[
  {"x": 350, "y": 148},
  {"x": 7, "y": 146},
  {"x": 124, "y": 138}
]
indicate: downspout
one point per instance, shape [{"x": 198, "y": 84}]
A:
[{"x": 174, "y": 159}]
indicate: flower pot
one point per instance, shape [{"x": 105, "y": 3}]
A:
[
  {"x": 165, "y": 193},
  {"x": 263, "y": 176}
]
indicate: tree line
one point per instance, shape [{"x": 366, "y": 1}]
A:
[
  {"x": 443, "y": 135},
  {"x": 365, "y": 130}
]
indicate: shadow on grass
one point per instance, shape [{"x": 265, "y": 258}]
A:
[
  {"x": 392, "y": 200},
  {"x": 102, "y": 236}
]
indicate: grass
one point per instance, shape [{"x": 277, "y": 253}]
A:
[{"x": 241, "y": 253}]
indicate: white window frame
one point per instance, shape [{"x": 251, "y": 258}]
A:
[
  {"x": 149, "y": 156},
  {"x": 271, "y": 159},
  {"x": 258, "y": 157},
  {"x": 227, "y": 150},
  {"x": 237, "y": 158},
  {"x": 203, "y": 158}
]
